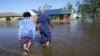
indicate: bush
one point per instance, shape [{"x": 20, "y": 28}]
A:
[
  {"x": 53, "y": 17},
  {"x": 19, "y": 18},
  {"x": 8, "y": 19}
]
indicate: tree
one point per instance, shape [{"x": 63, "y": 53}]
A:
[
  {"x": 47, "y": 7},
  {"x": 69, "y": 7},
  {"x": 8, "y": 19},
  {"x": 89, "y": 7},
  {"x": 94, "y": 5},
  {"x": 83, "y": 9},
  {"x": 39, "y": 8}
]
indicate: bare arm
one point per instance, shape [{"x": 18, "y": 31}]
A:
[
  {"x": 51, "y": 24},
  {"x": 34, "y": 18}
]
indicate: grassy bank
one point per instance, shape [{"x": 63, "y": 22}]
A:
[{"x": 9, "y": 21}]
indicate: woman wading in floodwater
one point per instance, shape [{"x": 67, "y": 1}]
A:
[{"x": 26, "y": 31}]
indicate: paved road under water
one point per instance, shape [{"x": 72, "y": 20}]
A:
[{"x": 75, "y": 39}]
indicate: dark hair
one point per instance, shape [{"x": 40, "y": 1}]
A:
[
  {"x": 26, "y": 14},
  {"x": 69, "y": 15}
]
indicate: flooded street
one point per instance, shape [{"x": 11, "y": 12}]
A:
[{"x": 75, "y": 39}]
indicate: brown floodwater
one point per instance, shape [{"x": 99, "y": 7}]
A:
[{"x": 74, "y": 39}]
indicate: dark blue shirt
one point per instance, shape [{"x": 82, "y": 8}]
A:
[{"x": 45, "y": 22}]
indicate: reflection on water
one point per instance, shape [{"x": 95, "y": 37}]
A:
[
  {"x": 8, "y": 25},
  {"x": 74, "y": 39},
  {"x": 25, "y": 53},
  {"x": 47, "y": 51}
]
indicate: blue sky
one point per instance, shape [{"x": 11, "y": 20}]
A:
[{"x": 19, "y": 6}]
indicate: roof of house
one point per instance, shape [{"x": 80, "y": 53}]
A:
[
  {"x": 54, "y": 11},
  {"x": 9, "y": 14}
]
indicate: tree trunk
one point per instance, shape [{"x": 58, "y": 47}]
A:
[{"x": 94, "y": 15}]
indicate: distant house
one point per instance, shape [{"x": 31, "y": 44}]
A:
[
  {"x": 61, "y": 14},
  {"x": 11, "y": 15}
]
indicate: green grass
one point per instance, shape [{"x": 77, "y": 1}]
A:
[{"x": 9, "y": 21}]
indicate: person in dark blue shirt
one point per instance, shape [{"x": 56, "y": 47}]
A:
[{"x": 45, "y": 26}]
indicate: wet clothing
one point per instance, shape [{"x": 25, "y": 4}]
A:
[
  {"x": 26, "y": 40},
  {"x": 44, "y": 20},
  {"x": 44, "y": 29},
  {"x": 45, "y": 36},
  {"x": 26, "y": 29}
]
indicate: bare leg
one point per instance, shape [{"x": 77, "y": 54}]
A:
[
  {"x": 47, "y": 43},
  {"x": 25, "y": 53},
  {"x": 28, "y": 45},
  {"x": 25, "y": 46}
]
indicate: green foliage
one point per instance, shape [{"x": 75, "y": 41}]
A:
[
  {"x": 89, "y": 7},
  {"x": 39, "y": 8},
  {"x": 54, "y": 17},
  {"x": 45, "y": 7},
  {"x": 19, "y": 18},
  {"x": 69, "y": 7},
  {"x": 8, "y": 19}
]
